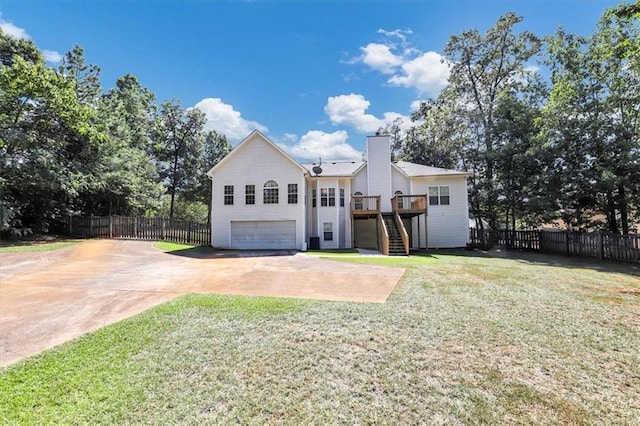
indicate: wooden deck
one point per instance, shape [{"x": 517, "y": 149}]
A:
[
  {"x": 409, "y": 205},
  {"x": 365, "y": 205}
]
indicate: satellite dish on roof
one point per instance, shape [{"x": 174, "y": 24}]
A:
[{"x": 317, "y": 169}]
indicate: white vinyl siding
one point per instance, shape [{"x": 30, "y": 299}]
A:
[
  {"x": 447, "y": 224},
  {"x": 241, "y": 171}
]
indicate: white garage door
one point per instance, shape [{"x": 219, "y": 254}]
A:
[{"x": 268, "y": 234}]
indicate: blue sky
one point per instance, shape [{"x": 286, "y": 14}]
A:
[{"x": 315, "y": 76}]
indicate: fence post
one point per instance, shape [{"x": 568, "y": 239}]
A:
[
  {"x": 70, "y": 226},
  {"x": 110, "y": 226},
  {"x": 566, "y": 242},
  {"x": 189, "y": 233},
  {"x": 600, "y": 245},
  {"x": 164, "y": 225},
  {"x": 91, "y": 226}
]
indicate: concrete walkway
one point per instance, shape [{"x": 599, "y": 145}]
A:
[{"x": 47, "y": 298}]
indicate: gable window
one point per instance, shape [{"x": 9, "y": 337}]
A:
[
  {"x": 341, "y": 197},
  {"x": 439, "y": 195},
  {"x": 357, "y": 202},
  {"x": 270, "y": 192},
  {"x": 328, "y": 231},
  {"x": 292, "y": 193},
  {"x": 327, "y": 197},
  {"x": 249, "y": 194},
  {"x": 228, "y": 195},
  {"x": 313, "y": 197},
  {"x": 399, "y": 200}
]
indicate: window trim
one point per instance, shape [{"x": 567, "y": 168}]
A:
[
  {"x": 250, "y": 195},
  {"x": 328, "y": 196},
  {"x": 439, "y": 195},
  {"x": 228, "y": 195},
  {"x": 292, "y": 196},
  {"x": 270, "y": 192},
  {"x": 327, "y": 231},
  {"x": 358, "y": 202}
]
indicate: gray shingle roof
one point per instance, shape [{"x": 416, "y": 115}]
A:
[
  {"x": 415, "y": 170},
  {"x": 335, "y": 168}
]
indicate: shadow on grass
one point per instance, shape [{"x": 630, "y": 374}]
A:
[
  {"x": 543, "y": 259},
  {"x": 206, "y": 252}
]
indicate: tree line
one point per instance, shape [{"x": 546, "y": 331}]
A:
[
  {"x": 548, "y": 129},
  {"x": 559, "y": 148},
  {"x": 67, "y": 147}
]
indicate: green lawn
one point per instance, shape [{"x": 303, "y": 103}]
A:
[
  {"x": 464, "y": 339},
  {"x": 17, "y": 246}
]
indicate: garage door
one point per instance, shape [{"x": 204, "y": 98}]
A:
[{"x": 270, "y": 234}]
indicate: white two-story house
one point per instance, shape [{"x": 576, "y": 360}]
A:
[{"x": 264, "y": 199}]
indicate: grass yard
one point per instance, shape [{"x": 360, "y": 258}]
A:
[
  {"x": 35, "y": 245},
  {"x": 464, "y": 339}
]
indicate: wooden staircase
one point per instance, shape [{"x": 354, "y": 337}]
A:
[{"x": 396, "y": 245}]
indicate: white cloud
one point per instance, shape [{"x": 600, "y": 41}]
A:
[
  {"x": 330, "y": 146},
  {"x": 224, "y": 119},
  {"x": 21, "y": 33},
  {"x": 351, "y": 110},
  {"x": 380, "y": 58},
  {"x": 415, "y": 105},
  {"x": 13, "y": 31},
  {"x": 52, "y": 56},
  {"x": 409, "y": 67},
  {"x": 427, "y": 73}
]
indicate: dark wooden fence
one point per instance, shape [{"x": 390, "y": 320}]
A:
[
  {"x": 598, "y": 245},
  {"x": 135, "y": 228}
]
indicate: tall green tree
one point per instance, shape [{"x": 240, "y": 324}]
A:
[
  {"x": 484, "y": 65},
  {"x": 47, "y": 144},
  {"x": 178, "y": 147},
  {"x": 437, "y": 140},
  {"x": 85, "y": 77},
  {"x": 592, "y": 122},
  {"x": 129, "y": 180}
]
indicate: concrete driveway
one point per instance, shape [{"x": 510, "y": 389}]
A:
[{"x": 47, "y": 298}]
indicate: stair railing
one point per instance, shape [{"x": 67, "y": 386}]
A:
[
  {"x": 383, "y": 236},
  {"x": 403, "y": 232}
]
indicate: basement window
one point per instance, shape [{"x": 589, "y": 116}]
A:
[{"x": 328, "y": 231}]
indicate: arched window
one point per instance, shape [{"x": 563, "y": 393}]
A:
[
  {"x": 270, "y": 192},
  {"x": 399, "y": 200},
  {"x": 357, "y": 202}
]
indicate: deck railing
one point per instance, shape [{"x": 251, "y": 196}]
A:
[
  {"x": 409, "y": 204},
  {"x": 365, "y": 204}
]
